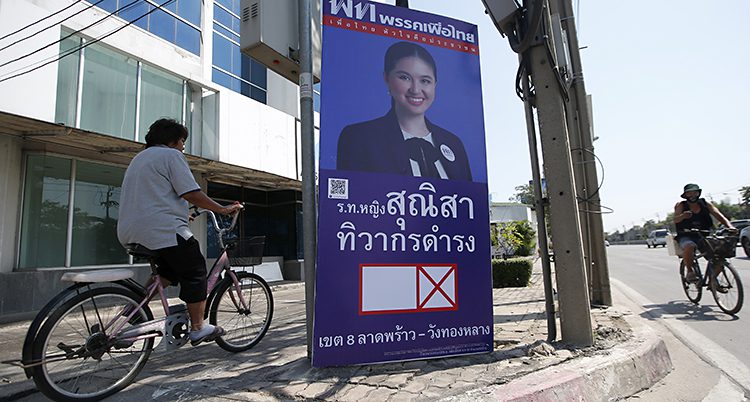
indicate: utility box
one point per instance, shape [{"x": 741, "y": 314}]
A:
[{"x": 269, "y": 33}]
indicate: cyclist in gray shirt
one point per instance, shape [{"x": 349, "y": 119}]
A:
[{"x": 154, "y": 200}]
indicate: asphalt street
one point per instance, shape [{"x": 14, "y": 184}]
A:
[{"x": 649, "y": 277}]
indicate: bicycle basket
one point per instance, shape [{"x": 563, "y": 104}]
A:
[
  {"x": 247, "y": 251},
  {"x": 724, "y": 247}
]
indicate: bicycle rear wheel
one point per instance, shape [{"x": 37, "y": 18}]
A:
[
  {"x": 244, "y": 326},
  {"x": 727, "y": 290},
  {"x": 79, "y": 360},
  {"x": 693, "y": 289}
]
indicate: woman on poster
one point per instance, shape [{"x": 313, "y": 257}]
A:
[{"x": 404, "y": 141}]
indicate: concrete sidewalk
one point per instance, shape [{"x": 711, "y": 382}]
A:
[{"x": 626, "y": 358}]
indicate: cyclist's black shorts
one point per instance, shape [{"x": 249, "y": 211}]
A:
[{"x": 184, "y": 264}]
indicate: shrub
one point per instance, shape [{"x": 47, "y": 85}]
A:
[
  {"x": 527, "y": 235},
  {"x": 514, "y": 238},
  {"x": 511, "y": 272}
]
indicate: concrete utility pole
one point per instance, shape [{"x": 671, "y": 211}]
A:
[
  {"x": 309, "y": 215},
  {"x": 584, "y": 165},
  {"x": 572, "y": 283}
]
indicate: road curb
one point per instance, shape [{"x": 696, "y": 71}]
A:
[
  {"x": 625, "y": 370},
  {"x": 611, "y": 374}
]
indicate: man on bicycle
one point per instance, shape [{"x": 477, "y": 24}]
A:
[
  {"x": 694, "y": 213},
  {"x": 154, "y": 201}
]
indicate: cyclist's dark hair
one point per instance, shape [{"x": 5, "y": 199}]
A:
[
  {"x": 165, "y": 132},
  {"x": 400, "y": 50}
]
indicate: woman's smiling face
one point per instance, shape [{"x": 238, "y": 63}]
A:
[{"x": 412, "y": 85}]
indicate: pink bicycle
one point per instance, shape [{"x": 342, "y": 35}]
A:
[{"x": 93, "y": 339}]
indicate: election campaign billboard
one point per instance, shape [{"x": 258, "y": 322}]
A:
[{"x": 403, "y": 236}]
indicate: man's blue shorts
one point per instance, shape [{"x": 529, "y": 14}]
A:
[{"x": 686, "y": 241}]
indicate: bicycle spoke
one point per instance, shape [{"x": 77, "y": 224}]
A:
[{"x": 76, "y": 357}]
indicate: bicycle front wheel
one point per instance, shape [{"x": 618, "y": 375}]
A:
[
  {"x": 727, "y": 290},
  {"x": 693, "y": 289},
  {"x": 78, "y": 359},
  {"x": 243, "y": 310}
]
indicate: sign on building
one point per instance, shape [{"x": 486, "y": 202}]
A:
[{"x": 403, "y": 245}]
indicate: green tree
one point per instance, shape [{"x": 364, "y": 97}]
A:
[
  {"x": 524, "y": 194},
  {"x": 515, "y": 238},
  {"x": 731, "y": 211}
]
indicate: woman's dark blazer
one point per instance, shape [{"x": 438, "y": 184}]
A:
[{"x": 379, "y": 146}]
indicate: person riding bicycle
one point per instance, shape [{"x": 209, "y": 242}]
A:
[
  {"x": 694, "y": 213},
  {"x": 154, "y": 201}
]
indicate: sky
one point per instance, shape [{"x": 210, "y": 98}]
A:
[{"x": 670, "y": 91}]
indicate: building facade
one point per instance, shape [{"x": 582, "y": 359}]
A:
[{"x": 80, "y": 86}]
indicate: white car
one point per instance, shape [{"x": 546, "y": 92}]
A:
[{"x": 657, "y": 238}]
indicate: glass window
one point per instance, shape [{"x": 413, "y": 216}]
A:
[
  {"x": 188, "y": 38},
  {"x": 162, "y": 25},
  {"x": 108, "y": 5},
  {"x": 193, "y": 132},
  {"x": 258, "y": 73},
  {"x": 96, "y": 202},
  {"x": 229, "y": 34},
  {"x": 190, "y": 10},
  {"x": 223, "y": 17},
  {"x": 316, "y": 97},
  {"x": 108, "y": 104},
  {"x": 161, "y": 96},
  {"x": 221, "y": 78},
  {"x": 232, "y": 5},
  {"x": 171, "y": 6},
  {"x": 67, "y": 81},
  {"x": 136, "y": 11},
  {"x": 258, "y": 94},
  {"x": 239, "y": 69},
  {"x": 44, "y": 221},
  {"x": 222, "y": 52}
]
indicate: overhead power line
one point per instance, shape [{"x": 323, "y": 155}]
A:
[
  {"x": 78, "y": 31},
  {"x": 50, "y": 26},
  {"x": 78, "y": 48},
  {"x": 36, "y": 22}
]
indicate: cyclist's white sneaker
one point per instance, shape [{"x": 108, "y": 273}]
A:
[{"x": 206, "y": 334}]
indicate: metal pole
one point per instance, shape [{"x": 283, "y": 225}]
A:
[
  {"x": 601, "y": 292},
  {"x": 309, "y": 211},
  {"x": 402, "y": 3},
  {"x": 539, "y": 204}
]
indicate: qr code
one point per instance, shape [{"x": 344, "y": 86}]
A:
[{"x": 338, "y": 188}]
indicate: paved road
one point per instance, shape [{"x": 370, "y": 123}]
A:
[{"x": 651, "y": 280}]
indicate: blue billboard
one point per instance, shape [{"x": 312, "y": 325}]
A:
[{"x": 403, "y": 266}]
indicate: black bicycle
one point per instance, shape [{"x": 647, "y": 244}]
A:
[{"x": 721, "y": 277}]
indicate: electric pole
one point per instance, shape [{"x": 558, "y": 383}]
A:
[
  {"x": 565, "y": 226},
  {"x": 584, "y": 163}
]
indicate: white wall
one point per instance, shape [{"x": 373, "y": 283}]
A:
[
  {"x": 510, "y": 212},
  {"x": 33, "y": 94},
  {"x": 256, "y": 136},
  {"x": 10, "y": 197}
]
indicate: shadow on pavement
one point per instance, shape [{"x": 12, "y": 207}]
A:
[{"x": 686, "y": 311}]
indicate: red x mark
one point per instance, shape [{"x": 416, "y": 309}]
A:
[{"x": 438, "y": 287}]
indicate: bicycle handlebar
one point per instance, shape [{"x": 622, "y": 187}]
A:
[
  {"x": 219, "y": 230},
  {"x": 708, "y": 232}
]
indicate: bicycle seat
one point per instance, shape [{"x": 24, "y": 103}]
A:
[
  {"x": 100, "y": 275},
  {"x": 137, "y": 250}
]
